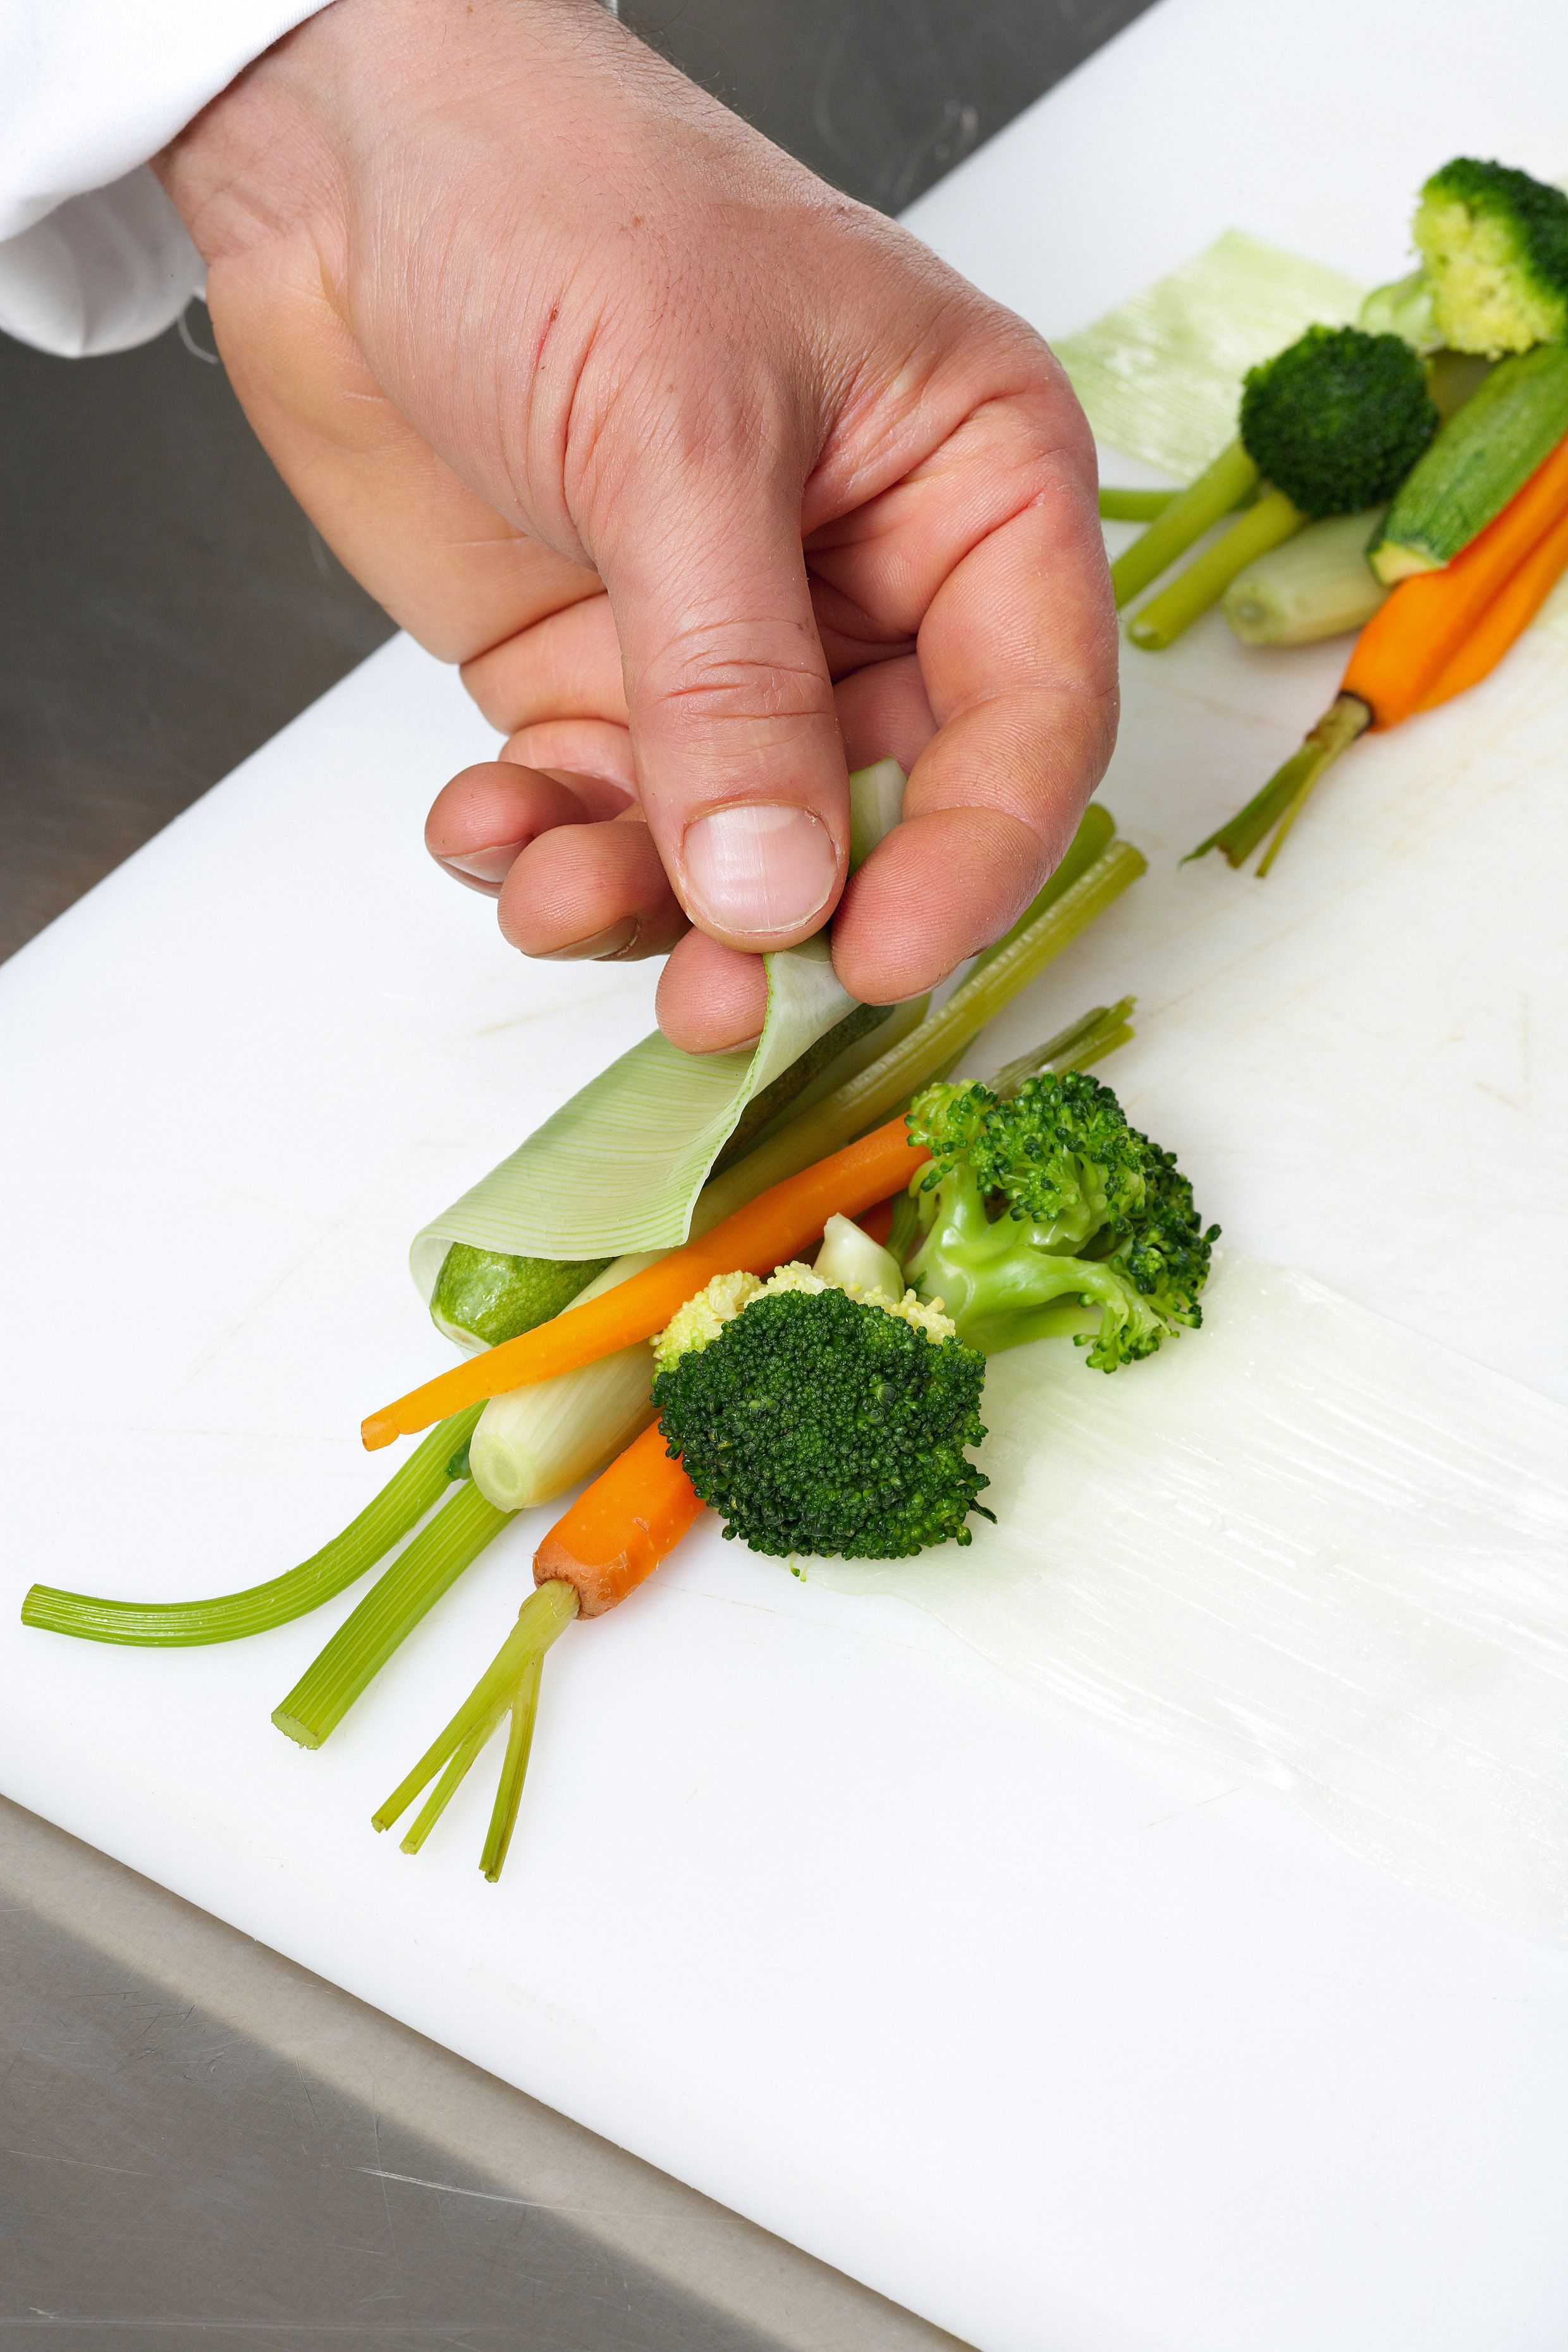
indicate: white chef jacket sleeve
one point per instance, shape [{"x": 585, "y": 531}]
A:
[{"x": 93, "y": 256}]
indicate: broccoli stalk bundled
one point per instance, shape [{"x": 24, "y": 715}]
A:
[
  {"x": 1329, "y": 426},
  {"x": 1045, "y": 1209}
]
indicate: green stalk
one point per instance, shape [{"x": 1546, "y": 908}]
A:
[
  {"x": 883, "y": 1088},
  {"x": 154, "y": 1624},
  {"x": 389, "y": 1611},
  {"x": 1078, "y": 1048},
  {"x": 510, "y": 1685},
  {"x": 1134, "y": 506},
  {"x": 1267, "y": 525},
  {"x": 1282, "y": 798},
  {"x": 1096, "y": 832},
  {"x": 1190, "y": 513}
]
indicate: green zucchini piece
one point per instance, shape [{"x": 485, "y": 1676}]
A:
[
  {"x": 484, "y": 1297},
  {"x": 1487, "y": 451}
]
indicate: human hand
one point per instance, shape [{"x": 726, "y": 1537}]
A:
[{"x": 707, "y": 476}]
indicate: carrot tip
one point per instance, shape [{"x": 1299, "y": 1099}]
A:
[{"x": 379, "y": 1430}]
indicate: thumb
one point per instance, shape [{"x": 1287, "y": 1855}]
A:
[{"x": 740, "y": 765}]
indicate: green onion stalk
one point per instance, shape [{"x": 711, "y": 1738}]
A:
[
  {"x": 1263, "y": 527},
  {"x": 1134, "y": 506},
  {"x": 1277, "y": 806},
  {"x": 1232, "y": 477}
]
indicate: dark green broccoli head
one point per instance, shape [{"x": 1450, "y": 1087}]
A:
[
  {"x": 1337, "y": 420},
  {"x": 1039, "y": 1209},
  {"x": 1494, "y": 243},
  {"x": 817, "y": 1424}
]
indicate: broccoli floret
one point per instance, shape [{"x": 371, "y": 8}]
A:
[
  {"x": 1337, "y": 419},
  {"x": 1494, "y": 244},
  {"x": 816, "y": 1422},
  {"x": 1039, "y": 1207}
]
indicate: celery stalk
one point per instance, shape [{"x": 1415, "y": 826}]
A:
[
  {"x": 912, "y": 1064},
  {"x": 385, "y": 1521},
  {"x": 389, "y": 1611},
  {"x": 1267, "y": 525},
  {"x": 1134, "y": 506},
  {"x": 1190, "y": 513}
]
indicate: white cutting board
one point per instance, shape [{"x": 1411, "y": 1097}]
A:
[{"x": 1057, "y": 2040}]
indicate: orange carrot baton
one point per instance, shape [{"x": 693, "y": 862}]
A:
[
  {"x": 614, "y": 1535},
  {"x": 753, "y": 1240},
  {"x": 621, "y": 1527},
  {"x": 1508, "y": 616}
]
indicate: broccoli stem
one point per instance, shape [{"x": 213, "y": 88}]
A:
[
  {"x": 385, "y": 1521},
  {"x": 389, "y": 1611},
  {"x": 509, "y": 1684},
  {"x": 1134, "y": 506},
  {"x": 1267, "y": 525},
  {"x": 1285, "y": 794},
  {"x": 1189, "y": 515},
  {"x": 900, "y": 1073}
]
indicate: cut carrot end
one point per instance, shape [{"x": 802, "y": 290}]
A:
[
  {"x": 619, "y": 1528},
  {"x": 378, "y": 1431}
]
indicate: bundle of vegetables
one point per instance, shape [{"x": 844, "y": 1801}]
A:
[
  {"x": 1342, "y": 411},
  {"x": 566, "y": 1386},
  {"x": 829, "y": 1409},
  {"x": 1445, "y": 625},
  {"x": 1443, "y": 577}
]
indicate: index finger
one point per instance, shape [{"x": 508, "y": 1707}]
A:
[{"x": 992, "y": 549}]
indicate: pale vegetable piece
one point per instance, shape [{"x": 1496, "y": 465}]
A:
[
  {"x": 849, "y": 1257},
  {"x": 532, "y": 1443},
  {"x": 1477, "y": 463},
  {"x": 1316, "y": 585}
]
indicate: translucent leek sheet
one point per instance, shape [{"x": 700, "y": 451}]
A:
[
  {"x": 1310, "y": 1545},
  {"x": 1159, "y": 376},
  {"x": 619, "y": 1166}
]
